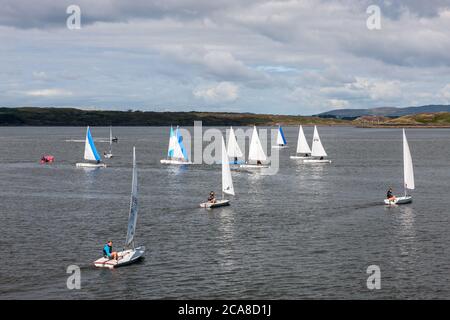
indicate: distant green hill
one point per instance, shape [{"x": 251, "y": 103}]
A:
[
  {"x": 433, "y": 119},
  {"x": 390, "y": 112},
  {"x": 30, "y": 116}
]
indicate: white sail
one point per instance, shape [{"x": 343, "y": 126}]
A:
[
  {"x": 177, "y": 152},
  {"x": 227, "y": 182},
  {"x": 281, "y": 141},
  {"x": 256, "y": 152},
  {"x": 132, "y": 218},
  {"x": 317, "y": 148},
  {"x": 172, "y": 142},
  {"x": 110, "y": 139},
  {"x": 233, "y": 150},
  {"x": 407, "y": 164},
  {"x": 90, "y": 152},
  {"x": 302, "y": 144}
]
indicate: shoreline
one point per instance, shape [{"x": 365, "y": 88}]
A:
[{"x": 400, "y": 127}]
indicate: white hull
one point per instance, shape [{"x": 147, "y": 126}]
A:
[
  {"x": 218, "y": 203},
  {"x": 299, "y": 157},
  {"x": 126, "y": 257},
  {"x": 90, "y": 165},
  {"x": 316, "y": 161},
  {"x": 108, "y": 156},
  {"x": 177, "y": 162},
  {"x": 254, "y": 166},
  {"x": 399, "y": 200},
  {"x": 280, "y": 147}
]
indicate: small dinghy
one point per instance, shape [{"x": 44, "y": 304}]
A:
[
  {"x": 90, "y": 153},
  {"x": 318, "y": 152},
  {"x": 256, "y": 155},
  {"x": 130, "y": 254},
  {"x": 281, "y": 140},
  {"x": 233, "y": 149},
  {"x": 227, "y": 183},
  {"x": 303, "y": 150},
  {"x": 176, "y": 153},
  {"x": 408, "y": 175},
  {"x": 109, "y": 155},
  {"x": 47, "y": 159}
]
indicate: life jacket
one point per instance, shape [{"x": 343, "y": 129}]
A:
[{"x": 105, "y": 254}]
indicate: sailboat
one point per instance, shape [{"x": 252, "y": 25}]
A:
[
  {"x": 176, "y": 153},
  {"x": 130, "y": 253},
  {"x": 233, "y": 149},
  {"x": 303, "y": 150},
  {"x": 408, "y": 175},
  {"x": 109, "y": 155},
  {"x": 255, "y": 153},
  {"x": 227, "y": 183},
  {"x": 318, "y": 152},
  {"x": 281, "y": 140},
  {"x": 90, "y": 153}
]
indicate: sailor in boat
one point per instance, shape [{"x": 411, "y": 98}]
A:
[
  {"x": 108, "y": 253},
  {"x": 259, "y": 163},
  {"x": 390, "y": 196},
  {"x": 235, "y": 160},
  {"x": 321, "y": 158},
  {"x": 212, "y": 197}
]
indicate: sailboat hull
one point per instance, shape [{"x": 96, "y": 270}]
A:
[
  {"x": 280, "y": 147},
  {"x": 217, "y": 204},
  {"x": 316, "y": 161},
  {"x": 253, "y": 166},
  {"x": 90, "y": 165},
  {"x": 176, "y": 162},
  {"x": 299, "y": 157},
  {"x": 399, "y": 200},
  {"x": 126, "y": 257}
]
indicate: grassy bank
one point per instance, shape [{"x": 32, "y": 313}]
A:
[
  {"x": 75, "y": 117},
  {"x": 421, "y": 120}
]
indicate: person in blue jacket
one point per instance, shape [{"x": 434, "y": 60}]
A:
[{"x": 108, "y": 253}]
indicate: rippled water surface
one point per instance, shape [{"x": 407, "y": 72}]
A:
[{"x": 310, "y": 231}]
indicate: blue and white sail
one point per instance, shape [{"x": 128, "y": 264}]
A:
[
  {"x": 132, "y": 218},
  {"x": 172, "y": 143},
  {"x": 281, "y": 140},
  {"x": 181, "y": 145},
  {"x": 90, "y": 152}
]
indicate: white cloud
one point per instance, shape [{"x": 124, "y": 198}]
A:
[
  {"x": 290, "y": 56},
  {"x": 444, "y": 93},
  {"x": 338, "y": 104},
  {"x": 40, "y": 75},
  {"x": 48, "y": 93},
  {"x": 222, "y": 92}
]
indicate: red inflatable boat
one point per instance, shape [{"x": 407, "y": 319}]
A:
[{"x": 47, "y": 159}]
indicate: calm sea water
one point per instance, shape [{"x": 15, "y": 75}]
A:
[{"x": 310, "y": 231}]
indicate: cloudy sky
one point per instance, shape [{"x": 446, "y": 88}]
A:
[{"x": 284, "y": 57}]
